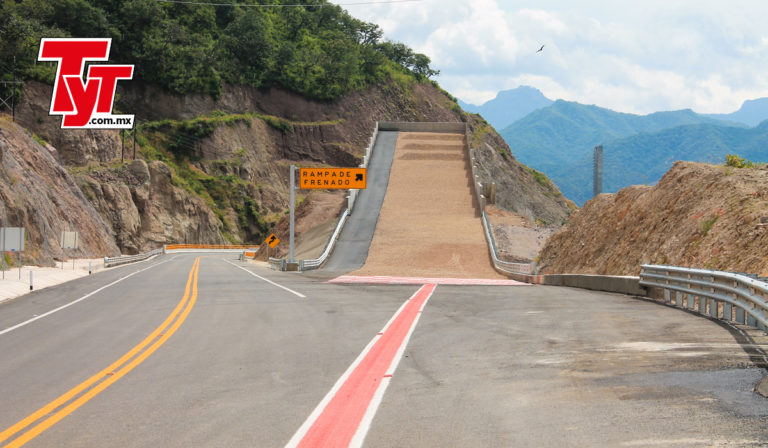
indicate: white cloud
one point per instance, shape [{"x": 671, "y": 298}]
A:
[{"x": 640, "y": 57}]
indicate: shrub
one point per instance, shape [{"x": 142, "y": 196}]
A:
[{"x": 737, "y": 162}]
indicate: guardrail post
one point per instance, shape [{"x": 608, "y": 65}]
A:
[
  {"x": 740, "y": 316},
  {"x": 713, "y": 305},
  {"x": 727, "y": 311},
  {"x": 751, "y": 321}
]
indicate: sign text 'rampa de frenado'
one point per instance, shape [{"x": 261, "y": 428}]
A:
[{"x": 332, "y": 178}]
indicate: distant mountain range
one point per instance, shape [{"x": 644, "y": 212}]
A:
[
  {"x": 558, "y": 138},
  {"x": 559, "y": 141},
  {"x": 752, "y": 113},
  {"x": 509, "y": 106}
]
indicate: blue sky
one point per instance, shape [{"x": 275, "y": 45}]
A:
[{"x": 630, "y": 56}]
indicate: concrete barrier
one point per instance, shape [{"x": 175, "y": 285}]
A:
[
  {"x": 401, "y": 126},
  {"x": 608, "y": 283}
]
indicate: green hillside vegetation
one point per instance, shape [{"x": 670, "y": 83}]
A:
[
  {"x": 319, "y": 51},
  {"x": 559, "y": 140}
]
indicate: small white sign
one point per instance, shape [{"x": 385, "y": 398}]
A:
[
  {"x": 69, "y": 240},
  {"x": 12, "y": 239}
]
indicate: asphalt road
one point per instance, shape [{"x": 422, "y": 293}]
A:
[
  {"x": 245, "y": 362},
  {"x": 351, "y": 249}
]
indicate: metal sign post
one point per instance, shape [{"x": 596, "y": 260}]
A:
[
  {"x": 69, "y": 240},
  {"x": 271, "y": 241},
  {"x": 292, "y": 187}
]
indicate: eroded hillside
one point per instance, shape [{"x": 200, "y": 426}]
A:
[{"x": 698, "y": 215}]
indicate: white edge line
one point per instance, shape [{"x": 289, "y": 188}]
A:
[
  {"x": 9, "y": 329},
  {"x": 302, "y": 431},
  {"x": 373, "y": 406},
  {"x": 267, "y": 280}
]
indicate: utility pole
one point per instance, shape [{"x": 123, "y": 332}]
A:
[{"x": 597, "y": 171}]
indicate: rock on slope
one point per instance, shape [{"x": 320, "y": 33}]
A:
[
  {"x": 37, "y": 193},
  {"x": 144, "y": 210},
  {"x": 698, "y": 215}
]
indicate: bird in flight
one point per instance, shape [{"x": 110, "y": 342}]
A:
[{"x": 542, "y": 47}]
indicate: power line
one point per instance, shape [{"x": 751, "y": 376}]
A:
[{"x": 185, "y": 2}]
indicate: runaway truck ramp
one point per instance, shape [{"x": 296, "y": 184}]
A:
[{"x": 429, "y": 223}]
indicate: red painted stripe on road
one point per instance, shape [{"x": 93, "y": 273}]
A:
[
  {"x": 387, "y": 280},
  {"x": 341, "y": 418}
]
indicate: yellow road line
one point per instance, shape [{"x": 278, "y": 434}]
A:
[{"x": 108, "y": 375}]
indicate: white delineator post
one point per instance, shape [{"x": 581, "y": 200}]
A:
[{"x": 292, "y": 188}]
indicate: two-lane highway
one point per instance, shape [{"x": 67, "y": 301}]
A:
[{"x": 247, "y": 355}]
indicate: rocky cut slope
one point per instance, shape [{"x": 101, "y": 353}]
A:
[
  {"x": 698, "y": 215},
  {"x": 37, "y": 193}
]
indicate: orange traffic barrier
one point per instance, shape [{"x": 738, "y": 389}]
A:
[{"x": 209, "y": 246}]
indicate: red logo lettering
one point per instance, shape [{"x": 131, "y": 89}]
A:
[{"x": 85, "y": 103}]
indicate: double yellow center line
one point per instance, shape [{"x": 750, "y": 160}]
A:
[{"x": 61, "y": 407}]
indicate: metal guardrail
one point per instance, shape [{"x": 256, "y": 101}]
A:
[
  {"x": 514, "y": 268},
  {"x": 366, "y": 160},
  {"x": 278, "y": 264},
  {"x": 125, "y": 259},
  {"x": 499, "y": 264},
  {"x": 722, "y": 295},
  {"x": 317, "y": 262}
]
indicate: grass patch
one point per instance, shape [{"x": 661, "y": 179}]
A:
[
  {"x": 706, "y": 226},
  {"x": 480, "y": 132},
  {"x": 39, "y": 140},
  {"x": 540, "y": 178}
]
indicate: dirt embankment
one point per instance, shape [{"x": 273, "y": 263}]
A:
[
  {"x": 518, "y": 238},
  {"x": 698, "y": 215},
  {"x": 37, "y": 193}
]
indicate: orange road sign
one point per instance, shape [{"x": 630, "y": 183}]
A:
[
  {"x": 272, "y": 241},
  {"x": 333, "y": 178}
]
